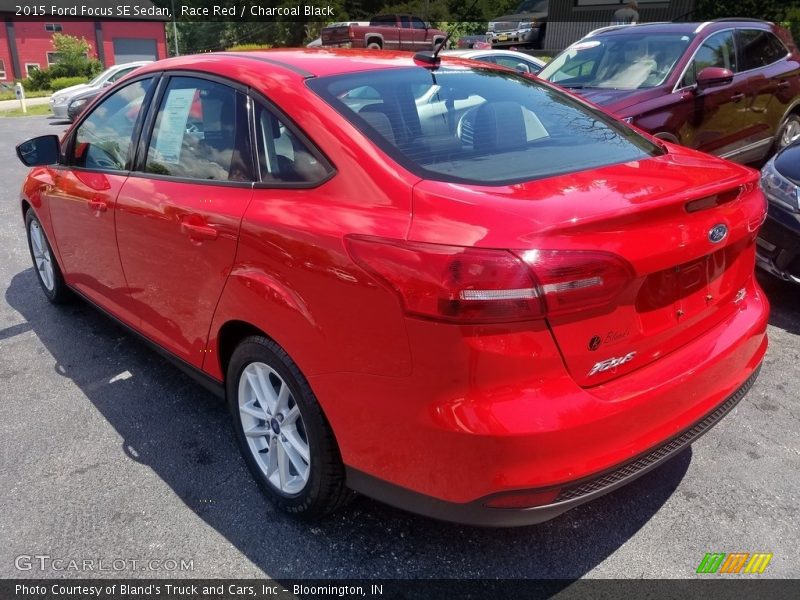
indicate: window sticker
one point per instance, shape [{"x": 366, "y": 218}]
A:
[{"x": 172, "y": 127}]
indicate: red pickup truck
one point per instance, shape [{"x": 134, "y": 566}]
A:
[{"x": 390, "y": 32}]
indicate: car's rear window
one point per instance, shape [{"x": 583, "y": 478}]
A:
[{"x": 479, "y": 126}]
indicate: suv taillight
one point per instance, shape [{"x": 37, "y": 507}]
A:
[{"x": 477, "y": 285}]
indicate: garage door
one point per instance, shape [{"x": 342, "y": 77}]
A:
[{"x": 131, "y": 49}]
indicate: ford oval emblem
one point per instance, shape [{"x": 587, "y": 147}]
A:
[{"x": 717, "y": 233}]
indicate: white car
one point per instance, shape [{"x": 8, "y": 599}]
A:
[
  {"x": 59, "y": 101},
  {"x": 512, "y": 59}
]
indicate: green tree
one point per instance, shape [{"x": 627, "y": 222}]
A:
[{"x": 72, "y": 57}]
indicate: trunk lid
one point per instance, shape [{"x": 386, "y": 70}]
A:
[{"x": 684, "y": 222}]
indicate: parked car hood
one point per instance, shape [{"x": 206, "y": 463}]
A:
[
  {"x": 619, "y": 102},
  {"x": 69, "y": 91}
]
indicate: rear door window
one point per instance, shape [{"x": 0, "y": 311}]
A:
[
  {"x": 201, "y": 132},
  {"x": 283, "y": 156},
  {"x": 758, "y": 48}
]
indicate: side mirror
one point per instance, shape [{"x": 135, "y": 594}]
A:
[
  {"x": 523, "y": 68},
  {"x": 108, "y": 83},
  {"x": 39, "y": 151},
  {"x": 714, "y": 76}
]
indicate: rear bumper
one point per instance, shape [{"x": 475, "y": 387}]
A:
[
  {"x": 778, "y": 250},
  {"x": 570, "y": 496},
  {"x": 489, "y": 413}
]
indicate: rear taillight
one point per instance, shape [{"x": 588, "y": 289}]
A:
[
  {"x": 478, "y": 285},
  {"x": 578, "y": 280}
]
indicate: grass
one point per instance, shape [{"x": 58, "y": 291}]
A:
[
  {"x": 28, "y": 94},
  {"x": 33, "y": 111}
]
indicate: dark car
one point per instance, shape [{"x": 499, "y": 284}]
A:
[
  {"x": 526, "y": 27},
  {"x": 778, "y": 250},
  {"x": 727, "y": 87},
  {"x": 79, "y": 103}
]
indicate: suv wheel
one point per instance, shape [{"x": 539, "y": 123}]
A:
[
  {"x": 282, "y": 433},
  {"x": 789, "y": 132}
]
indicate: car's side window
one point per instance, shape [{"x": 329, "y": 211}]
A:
[
  {"x": 103, "y": 139},
  {"x": 717, "y": 51},
  {"x": 282, "y": 155},
  {"x": 417, "y": 23},
  {"x": 201, "y": 132},
  {"x": 758, "y": 48}
]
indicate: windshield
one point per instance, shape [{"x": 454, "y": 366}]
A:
[
  {"x": 99, "y": 79},
  {"x": 530, "y": 6},
  {"x": 623, "y": 62},
  {"x": 479, "y": 126}
]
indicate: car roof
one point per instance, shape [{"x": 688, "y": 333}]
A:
[
  {"x": 301, "y": 62},
  {"x": 679, "y": 27}
]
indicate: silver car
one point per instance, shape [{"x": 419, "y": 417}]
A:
[
  {"x": 59, "y": 101},
  {"x": 512, "y": 59}
]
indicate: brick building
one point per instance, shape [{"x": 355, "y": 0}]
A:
[{"x": 26, "y": 40}]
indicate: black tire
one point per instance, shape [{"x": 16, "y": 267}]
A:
[
  {"x": 58, "y": 293},
  {"x": 325, "y": 489},
  {"x": 791, "y": 120}
]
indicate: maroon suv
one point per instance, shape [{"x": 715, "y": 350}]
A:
[{"x": 728, "y": 87}]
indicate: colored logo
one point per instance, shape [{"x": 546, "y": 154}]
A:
[
  {"x": 718, "y": 233},
  {"x": 737, "y": 562}
]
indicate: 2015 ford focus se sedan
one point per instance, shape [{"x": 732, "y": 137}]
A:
[{"x": 445, "y": 285}]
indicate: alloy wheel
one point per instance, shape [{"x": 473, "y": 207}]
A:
[
  {"x": 274, "y": 428},
  {"x": 41, "y": 256}
]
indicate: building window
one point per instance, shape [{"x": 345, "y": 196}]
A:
[
  {"x": 30, "y": 67},
  {"x": 2, "y": 69},
  {"x": 52, "y": 27},
  {"x": 52, "y": 58}
]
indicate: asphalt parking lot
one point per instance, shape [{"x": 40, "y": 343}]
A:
[{"x": 108, "y": 452}]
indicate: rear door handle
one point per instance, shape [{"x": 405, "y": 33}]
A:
[
  {"x": 784, "y": 84},
  {"x": 97, "y": 205},
  {"x": 737, "y": 97},
  {"x": 199, "y": 232}
]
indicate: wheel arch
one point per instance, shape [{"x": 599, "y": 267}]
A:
[
  {"x": 230, "y": 334},
  {"x": 667, "y": 137},
  {"x": 373, "y": 37}
]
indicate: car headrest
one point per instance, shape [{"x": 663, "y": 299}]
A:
[
  {"x": 377, "y": 118},
  {"x": 499, "y": 126}
]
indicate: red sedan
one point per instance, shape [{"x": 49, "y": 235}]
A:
[{"x": 445, "y": 285}]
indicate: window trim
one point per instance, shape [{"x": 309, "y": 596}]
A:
[
  {"x": 258, "y": 97},
  {"x": 3, "y": 72},
  {"x": 68, "y": 147},
  {"x": 148, "y": 126},
  {"x": 31, "y": 64},
  {"x": 53, "y": 27}
]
